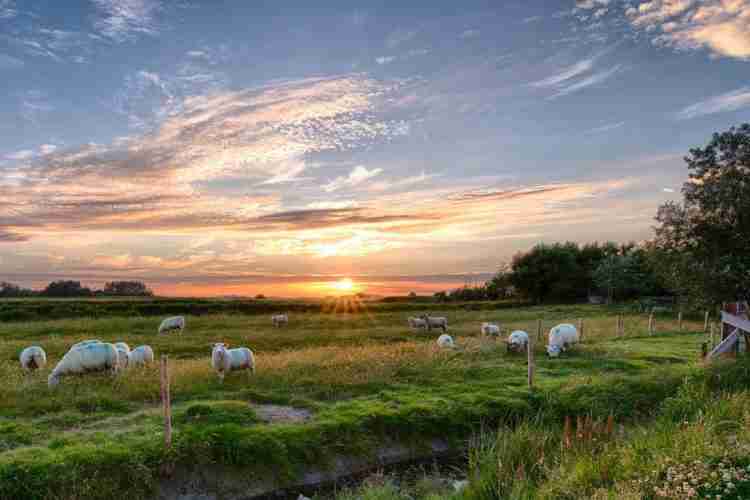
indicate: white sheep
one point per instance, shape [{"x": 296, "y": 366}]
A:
[
  {"x": 225, "y": 360},
  {"x": 490, "y": 329},
  {"x": 141, "y": 355},
  {"x": 445, "y": 341},
  {"x": 560, "y": 338},
  {"x": 123, "y": 352},
  {"x": 33, "y": 358},
  {"x": 280, "y": 319},
  {"x": 173, "y": 323},
  {"x": 92, "y": 357},
  {"x": 86, "y": 342},
  {"x": 518, "y": 341},
  {"x": 436, "y": 322},
  {"x": 417, "y": 322}
]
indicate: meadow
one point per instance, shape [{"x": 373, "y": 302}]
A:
[{"x": 349, "y": 383}]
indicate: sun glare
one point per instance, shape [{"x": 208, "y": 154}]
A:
[{"x": 344, "y": 285}]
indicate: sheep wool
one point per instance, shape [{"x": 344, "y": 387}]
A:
[
  {"x": 518, "y": 340},
  {"x": 446, "y": 342},
  {"x": 123, "y": 352},
  {"x": 490, "y": 329},
  {"x": 93, "y": 357},
  {"x": 173, "y": 323},
  {"x": 560, "y": 338},
  {"x": 280, "y": 319},
  {"x": 141, "y": 356},
  {"x": 436, "y": 322},
  {"x": 225, "y": 360},
  {"x": 33, "y": 358}
]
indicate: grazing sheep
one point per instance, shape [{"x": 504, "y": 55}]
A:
[
  {"x": 280, "y": 319},
  {"x": 173, "y": 323},
  {"x": 123, "y": 353},
  {"x": 86, "y": 342},
  {"x": 490, "y": 329},
  {"x": 435, "y": 322},
  {"x": 33, "y": 358},
  {"x": 84, "y": 359},
  {"x": 417, "y": 322},
  {"x": 445, "y": 341},
  {"x": 225, "y": 360},
  {"x": 140, "y": 356},
  {"x": 518, "y": 341},
  {"x": 560, "y": 338}
]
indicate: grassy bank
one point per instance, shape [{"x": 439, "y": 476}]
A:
[{"x": 365, "y": 378}]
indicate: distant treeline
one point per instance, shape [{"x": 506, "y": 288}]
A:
[
  {"x": 72, "y": 289},
  {"x": 565, "y": 272}
]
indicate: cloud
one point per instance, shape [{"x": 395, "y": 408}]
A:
[
  {"x": 196, "y": 53},
  {"x": 471, "y": 33},
  {"x": 531, "y": 19},
  {"x": 720, "y": 26},
  {"x": 567, "y": 73},
  {"x": 46, "y": 149},
  {"x": 731, "y": 101},
  {"x": 124, "y": 20},
  {"x": 356, "y": 177},
  {"x": 589, "y": 81},
  {"x": 385, "y": 59},
  {"x": 668, "y": 190},
  {"x": 10, "y": 237},
  {"x": 8, "y": 9},
  {"x": 604, "y": 128},
  {"x": 24, "y": 154},
  {"x": 591, "y": 4},
  {"x": 399, "y": 37}
]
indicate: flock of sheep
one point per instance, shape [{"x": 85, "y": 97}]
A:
[
  {"x": 97, "y": 356},
  {"x": 560, "y": 337}
]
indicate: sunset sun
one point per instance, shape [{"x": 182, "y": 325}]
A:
[{"x": 343, "y": 285}]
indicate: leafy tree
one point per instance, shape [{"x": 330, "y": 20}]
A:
[
  {"x": 127, "y": 288},
  {"x": 547, "y": 272},
  {"x": 10, "y": 290},
  {"x": 705, "y": 240},
  {"x": 66, "y": 288}
]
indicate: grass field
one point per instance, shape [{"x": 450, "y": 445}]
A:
[{"x": 364, "y": 377}]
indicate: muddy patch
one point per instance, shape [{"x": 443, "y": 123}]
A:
[{"x": 274, "y": 414}]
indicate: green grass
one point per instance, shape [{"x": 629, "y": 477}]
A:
[{"x": 365, "y": 377}]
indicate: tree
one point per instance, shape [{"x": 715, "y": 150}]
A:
[
  {"x": 66, "y": 288},
  {"x": 412, "y": 295},
  {"x": 547, "y": 272},
  {"x": 11, "y": 290},
  {"x": 127, "y": 288},
  {"x": 705, "y": 240}
]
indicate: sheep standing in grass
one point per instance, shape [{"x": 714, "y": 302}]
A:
[
  {"x": 417, "y": 323},
  {"x": 490, "y": 329},
  {"x": 560, "y": 338},
  {"x": 173, "y": 323},
  {"x": 225, "y": 360},
  {"x": 280, "y": 319},
  {"x": 518, "y": 341},
  {"x": 93, "y": 357},
  {"x": 436, "y": 322},
  {"x": 445, "y": 341},
  {"x": 86, "y": 342},
  {"x": 141, "y": 356},
  {"x": 123, "y": 353},
  {"x": 33, "y": 358}
]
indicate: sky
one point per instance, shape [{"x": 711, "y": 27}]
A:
[{"x": 235, "y": 147}]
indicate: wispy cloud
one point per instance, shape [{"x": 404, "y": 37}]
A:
[
  {"x": 567, "y": 73},
  {"x": 731, "y": 101},
  {"x": 356, "y": 177},
  {"x": 24, "y": 154},
  {"x": 591, "y": 4},
  {"x": 8, "y": 9},
  {"x": 385, "y": 60},
  {"x": 8, "y": 62},
  {"x": 470, "y": 33},
  {"x": 124, "y": 20},
  {"x": 721, "y": 26},
  {"x": 399, "y": 37},
  {"x": 595, "y": 79},
  {"x": 604, "y": 128},
  {"x": 531, "y": 19}
]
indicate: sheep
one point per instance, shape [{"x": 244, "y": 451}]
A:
[
  {"x": 280, "y": 319},
  {"x": 173, "y": 323},
  {"x": 417, "y": 322},
  {"x": 436, "y": 322},
  {"x": 85, "y": 342},
  {"x": 92, "y": 357},
  {"x": 32, "y": 358},
  {"x": 560, "y": 338},
  {"x": 445, "y": 341},
  {"x": 123, "y": 353},
  {"x": 141, "y": 355},
  {"x": 490, "y": 329},
  {"x": 225, "y": 360},
  {"x": 518, "y": 341}
]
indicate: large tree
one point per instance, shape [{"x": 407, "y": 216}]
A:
[{"x": 705, "y": 240}]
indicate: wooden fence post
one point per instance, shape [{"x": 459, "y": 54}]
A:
[
  {"x": 622, "y": 326},
  {"x": 679, "y": 321},
  {"x": 580, "y": 328},
  {"x": 610, "y": 425},
  {"x": 651, "y": 324},
  {"x": 166, "y": 401},
  {"x": 713, "y": 329},
  {"x": 617, "y": 328},
  {"x": 539, "y": 330},
  {"x": 530, "y": 361},
  {"x": 705, "y": 322},
  {"x": 567, "y": 432}
]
